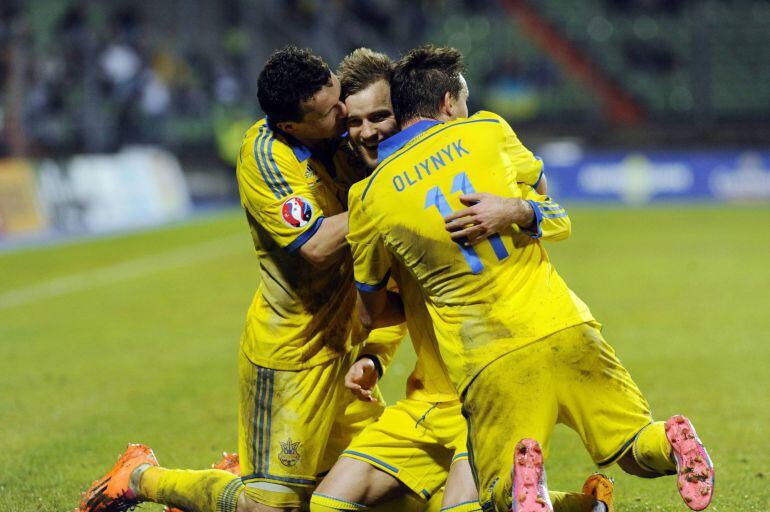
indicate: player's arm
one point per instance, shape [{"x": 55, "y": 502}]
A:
[
  {"x": 527, "y": 168},
  {"x": 328, "y": 244},
  {"x": 489, "y": 214},
  {"x": 552, "y": 223},
  {"x": 380, "y": 308},
  {"x": 378, "y": 351},
  {"x": 377, "y": 307},
  {"x": 275, "y": 192}
]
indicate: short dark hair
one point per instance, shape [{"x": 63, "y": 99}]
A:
[
  {"x": 291, "y": 75},
  {"x": 362, "y": 68},
  {"x": 421, "y": 78}
]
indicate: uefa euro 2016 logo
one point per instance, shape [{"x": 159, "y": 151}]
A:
[
  {"x": 289, "y": 455},
  {"x": 297, "y": 212}
]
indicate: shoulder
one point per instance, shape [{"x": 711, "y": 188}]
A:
[
  {"x": 268, "y": 161},
  {"x": 487, "y": 120},
  {"x": 356, "y": 192}
]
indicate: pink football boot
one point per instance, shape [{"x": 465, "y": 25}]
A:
[
  {"x": 695, "y": 472},
  {"x": 530, "y": 492}
]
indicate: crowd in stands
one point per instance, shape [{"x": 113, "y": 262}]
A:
[{"x": 87, "y": 76}]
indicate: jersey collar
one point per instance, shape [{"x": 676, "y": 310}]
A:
[{"x": 392, "y": 144}]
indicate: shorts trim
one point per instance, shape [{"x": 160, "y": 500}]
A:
[
  {"x": 359, "y": 505},
  {"x": 461, "y": 504},
  {"x": 377, "y": 461},
  {"x": 425, "y": 494},
  {"x": 282, "y": 479},
  {"x": 623, "y": 449}
]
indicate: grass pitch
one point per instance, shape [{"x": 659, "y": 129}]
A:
[{"x": 134, "y": 338}]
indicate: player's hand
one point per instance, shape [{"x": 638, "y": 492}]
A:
[
  {"x": 361, "y": 379},
  {"x": 486, "y": 215}
]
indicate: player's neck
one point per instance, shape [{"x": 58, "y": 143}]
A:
[
  {"x": 313, "y": 144},
  {"x": 406, "y": 124}
]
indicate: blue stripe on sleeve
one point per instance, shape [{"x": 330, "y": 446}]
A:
[
  {"x": 539, "y": 177},
  {"x": 282, "y": 185},
  {"x": 261, "y": 166},
  {"x": 266, "y": 163},
  {"x": 371, "y": 288},
  {"x": 305, "y": 236},
  {"x": 538, "y": 218}
]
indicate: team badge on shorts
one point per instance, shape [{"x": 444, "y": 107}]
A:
[
  {"x": 297, "y": 212},
  {"x": 289, "y": 455}
]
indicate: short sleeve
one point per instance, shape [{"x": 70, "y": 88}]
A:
[
  {"x": 371, "y": 259},
  {"x": 274, "y": 190},
  {"x": 529, "y": 168}
]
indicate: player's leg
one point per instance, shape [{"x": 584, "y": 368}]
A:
[
  {"x": 511, "y": 399},
  {"x": 355, "y": 485},
  {"x": 395, "y": 458},
  {"x": 285, "y": 422},
  {"x": 460, "y": 493},
  {"x": 229, "y": 463},
  {"x": 136, "y": 477},
  {"x": 597, "y": 496},
  {"x": 601, "y": 402}
]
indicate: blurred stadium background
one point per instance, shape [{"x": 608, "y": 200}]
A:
[{"x": 125, "y": 268}]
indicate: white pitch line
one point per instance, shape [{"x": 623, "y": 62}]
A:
[{"x": 124, "y": 271}]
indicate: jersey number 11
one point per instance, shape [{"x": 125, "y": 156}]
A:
[{"x": 435, "y": 197}]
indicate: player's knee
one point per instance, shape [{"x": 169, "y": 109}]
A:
[
  {"x": 629, "y": 464},
  {"x": 250, "y": 501}
]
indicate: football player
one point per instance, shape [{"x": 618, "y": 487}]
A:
[
  {"x": 521, "y": 348},
  {"x": 301, "y": 334},
  {"x": 420, "y": 442}
]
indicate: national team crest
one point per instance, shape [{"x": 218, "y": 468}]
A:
[
  {"x": 297, "y": 211},
  {"x": 289, "y": 455}
]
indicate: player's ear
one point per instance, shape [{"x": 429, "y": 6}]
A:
[
  {"x": 287, "y": 126},
  {"x": 446, "y": 108}
]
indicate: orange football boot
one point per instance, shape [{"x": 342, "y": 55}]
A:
[
  {"x": 112, "y": 493},
  {"x": 600, "y": 487}
]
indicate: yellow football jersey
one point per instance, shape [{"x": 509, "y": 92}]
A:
[
  {"x": 430, "y": 381},
  {"x": 483, "y": 301},
  {"x": 299, "y": 317}
]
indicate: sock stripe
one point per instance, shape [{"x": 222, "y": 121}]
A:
[{"x": 228, "y": 500}]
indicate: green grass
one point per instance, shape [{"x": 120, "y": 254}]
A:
[{"x": 146, "y": 349}]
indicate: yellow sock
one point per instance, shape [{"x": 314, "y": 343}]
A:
[
  {"x": 209, "y": 490},
  {"x": 572, "y": 501},
  {"x": 324, "y": 503},
  {"x": 652, "y": 451}
]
